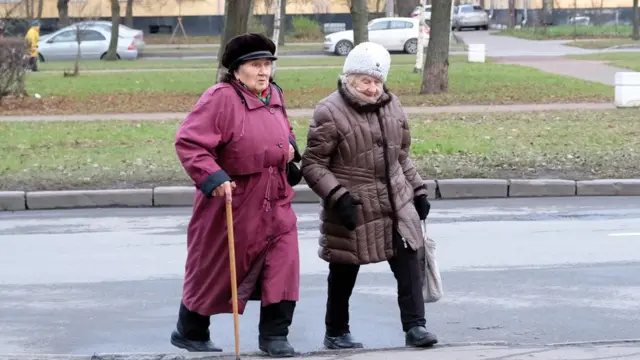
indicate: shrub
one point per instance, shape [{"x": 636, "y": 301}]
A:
[
  {"x": 306, "y": 29},
  {"x": 12, "y": 69},
  {"x": 256, "y": 26}
]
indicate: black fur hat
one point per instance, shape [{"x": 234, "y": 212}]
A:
[{"x": 247, "y": 47}]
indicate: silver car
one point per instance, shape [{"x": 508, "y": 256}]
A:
[
  {"x": 123, "y": 30},
  {"x": 94, "y": 44},
  {"x": 470, "y": 16}
]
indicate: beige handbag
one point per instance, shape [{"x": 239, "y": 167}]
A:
[{"x": 432, "y": 282}]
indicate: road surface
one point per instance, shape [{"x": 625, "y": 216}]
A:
[{"x": 533, "y": 271}]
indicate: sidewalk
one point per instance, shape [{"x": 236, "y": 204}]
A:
[
  {"x": 629, "y": 351},
  {"x": 309, "y": 112},
  {"x": 588, "y": 70}
]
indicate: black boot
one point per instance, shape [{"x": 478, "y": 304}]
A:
[
  {"x": 418, "y": 336},
  {"x": 275, "y": 320},
  {"x": 276, "y": 346},
  {"x": 344, "y": 341},
  {"x": 181, "y": 342},
  {"x": 192, "y": 332}
]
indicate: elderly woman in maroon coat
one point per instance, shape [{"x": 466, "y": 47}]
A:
[{"x": 237, "y": 144}]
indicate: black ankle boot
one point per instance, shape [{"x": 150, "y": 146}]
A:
[
  {"x": 344, "y": 341},
  {"x": 418, "y": 336},
  {"x": 276, "y": 346},
  {"x": 181, "y": 342}
]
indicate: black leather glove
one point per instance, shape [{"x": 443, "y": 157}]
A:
[
  {"x": 346, "y": 208},
  {"x": 294, "y": 175},
  {"x": 422, "y": 206}
]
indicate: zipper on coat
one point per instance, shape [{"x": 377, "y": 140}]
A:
[{"x": 387, "y": 169}]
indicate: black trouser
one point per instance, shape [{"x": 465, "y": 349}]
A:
[
  {"x": 33, "y": 63},
  {"x": 408, "y": 273},
  {"x": 275, "y": 320}
]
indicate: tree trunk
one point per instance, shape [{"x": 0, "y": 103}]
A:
[
  {"x": 405, "y": 7},
  {"x": 40, "y": 8},
  {"x": 421, "y": 40},
  {"x": 238, "y": 13},
  {"x": 112, "y": 53},
  {"x": 63, "y": 13},
  {"x": 512, "y": 14},
  {"x": 276, "y": 29},
  {"x": 129, "y": 14},
  {"x": 635, "y": 34},
  {"x": 435, "y": 78},
  {"x": 360, "y": 16},
  {"x": 28, "y": 9},
  {"x": 283, "y": 18}
]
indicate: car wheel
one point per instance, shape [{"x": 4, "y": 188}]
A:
[
  {"x": 40, "y": 57},
  {"x": 486, "y": 27},
  {"x": 411, "y": 46},
  {"x": 344, "y": 47}
]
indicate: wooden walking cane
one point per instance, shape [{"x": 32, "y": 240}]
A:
[{"x": 234, "y": 281}]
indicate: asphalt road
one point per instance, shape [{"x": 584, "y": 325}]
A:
[{"x": 523, "y": 271}]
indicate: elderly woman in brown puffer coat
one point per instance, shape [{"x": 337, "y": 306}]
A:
[{"x": 357, "y": 161}]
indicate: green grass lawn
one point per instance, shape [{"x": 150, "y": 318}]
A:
[
  {"x": 121, "y": 154},
  {"x": 568, "y": 32},
  {"x": 204, "y": 64},
  {"x": 604, "y": 44},
  {"x": 164, "y": 39},
  {"x": 170, "y": 91},
  {"x": 627, "y": 60}
]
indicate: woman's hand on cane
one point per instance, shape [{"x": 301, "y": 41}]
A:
[{"x": 225, "y": 190}]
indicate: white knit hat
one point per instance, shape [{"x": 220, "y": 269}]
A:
[{"x": 369, "y": 59}]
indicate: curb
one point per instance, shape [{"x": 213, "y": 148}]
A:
[
  {"x": 337, "y": 354},
  {"x": 446, "y": 189}
]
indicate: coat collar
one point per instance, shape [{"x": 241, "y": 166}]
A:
[
  {"x": 252, "y": 100},
  {"x": 361, "y": 106}
]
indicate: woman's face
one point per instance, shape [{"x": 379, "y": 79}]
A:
[
  {"x": 255, "y": 74},
  {"x": 368, "y": 86}
]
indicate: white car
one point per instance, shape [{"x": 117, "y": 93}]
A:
[
  {"x": 427, "y": 12},
  {"x": 94, "y": 44},
  {"x": 123, "y": 30},
  {"x": 394, "y": 33}
]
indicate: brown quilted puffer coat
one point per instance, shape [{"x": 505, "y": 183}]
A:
[{"x": 363, "y": 148}]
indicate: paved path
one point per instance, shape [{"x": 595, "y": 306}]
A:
[
  {"x": 520, "y": 271},
  {"x": 595, "y": 71},
  {"x": 309, "y": 112}
]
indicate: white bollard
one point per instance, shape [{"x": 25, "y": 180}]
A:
[
  {"x": 627, "y": 92},
  {"x": 476, "y": 53}
]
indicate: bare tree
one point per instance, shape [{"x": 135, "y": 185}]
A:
[
  {"x": 283, "y": 15},
  {"x": 421, "y": 39},
  {"x": 635, "y": 34},
  {"x": 63, "y": 12},
  {"x": 405, "y": 7},
  {"x": 276, "y": 29},
  {"x": 128, "y": 17},
  {"x": 238, "y": 13},
  {"x": 435, "y": 78},
  {"x": 80, "y": 28},
  {"x": 360, "y": 18},
  {"x": 112, "y": 53}
]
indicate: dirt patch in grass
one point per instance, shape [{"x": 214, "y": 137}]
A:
[
  {"x": 568, "y": 32},
  {"x": 125, "y": 154},
  {"x": 469, "y": 83}
]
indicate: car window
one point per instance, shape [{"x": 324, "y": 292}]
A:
[
  {"x": 66, "y": 36},
  {"x": 466, "y": 9},
  {"x": 91, "y": 35},
  {"x": 381, "y": 25},
  {"x": 398, "y": 24},
  {"x": 477, "y": 8}
]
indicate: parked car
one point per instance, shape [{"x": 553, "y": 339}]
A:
[
  {"x": 426, "y": 11},
  {"x": 94, "y": 44},
  {"x": 394, "y": 33},
  {"x": 123, "y": 30},
  {"x": 470, "y": 16}
]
